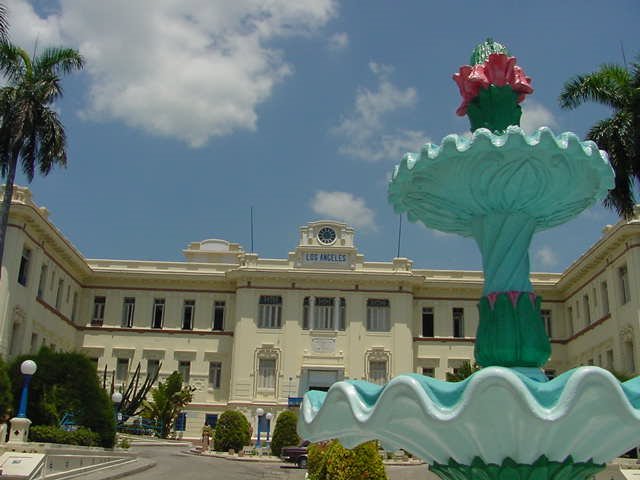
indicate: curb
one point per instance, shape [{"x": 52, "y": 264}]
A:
[{"x": 119, "y": 471}]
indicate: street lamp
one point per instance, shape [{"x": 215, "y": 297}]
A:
[
  {"x": 259, "y": 414},
  {"x": 27, "y": 368},
  {"x": 20, "y": 423},
  {"x": 269, "y": 416},
  {"x": 116, "y": 398}
]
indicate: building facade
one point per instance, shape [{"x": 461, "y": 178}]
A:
[{"x": 250, "y": 332}]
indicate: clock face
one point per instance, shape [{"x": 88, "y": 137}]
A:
[{"x": 326, "y": 235}]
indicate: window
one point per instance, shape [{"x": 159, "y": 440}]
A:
[
  {"x": 59, "y": 293},
  {"x": 629, "y": 357},
  {"x": 184, "y": 369},
  {"x": 429, "y": 372},
  {"x": 324, "y": 313},
  {"x": 42, "y": 283},
  {"x": 23, "y": 271},
  {"x": 570, "y": 318},
  {"x": 211, "y": 419},
  {"x": 215, "y": 374},
  {"x": 218, "y": 315},
  {"x": 546, "y": 321},
  {"x": 427, "y": 322},
  {"x": 623, "y": 277},
  {"x": 188, "y": 311},
  {"x": 157, "y": 316},
  {"x": 68, "y": 293},
  {"x": 128, "y": 308},
  {"x": 267, "y": 373},
  {"x": 270, "y": 311},
  {"x": 587, "y": 310},
  {"x": 604, "y": 292},
  {"x": 181, "y": 422},
  {"x": 98, "y": 310},
  {"x": 153, "y": 367},
  {"x": 378, "y": 315},
  {"x": 74, "y": 307},
  {"x": 458, "y": 322},
  {"x": 34, "y": 343},
  {"x": 378, "y": 372},
  {"x": 609, "y": 356},
  {"x": 94, "y": 362},
  {"x": 122, "y": 369}
]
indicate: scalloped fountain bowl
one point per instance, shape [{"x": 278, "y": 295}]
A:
[
  {"x": 584, "y": 415},
  {"x": 547, "y": 177}
]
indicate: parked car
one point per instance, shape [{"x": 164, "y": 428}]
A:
[{"x": 297, "y": 454}]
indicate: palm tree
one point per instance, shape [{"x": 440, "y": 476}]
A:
[
  {"x": 31, "y": 132},
  {"x": 618, "y": 88}
]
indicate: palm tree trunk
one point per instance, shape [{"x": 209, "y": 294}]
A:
[{"x": 6, "y": 204}]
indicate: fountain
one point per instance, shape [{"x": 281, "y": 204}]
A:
[{"x": 499, "y": 186}]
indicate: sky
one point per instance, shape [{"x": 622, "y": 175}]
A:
[{"x": 188, "y": 113}]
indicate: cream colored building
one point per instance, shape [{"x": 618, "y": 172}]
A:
[{"x": 251, "y": 332}]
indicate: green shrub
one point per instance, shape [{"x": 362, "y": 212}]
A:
[
  {"x": 232, "y": 431},
  {"x": 52, "y": 434},
  {"x": 66, "y": 382},
  {"x": 6, "y": 395},
  {"x": 285, "y": 433},
  {"x": 332, "y": 461}
]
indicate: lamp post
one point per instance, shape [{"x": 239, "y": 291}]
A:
[
  {"x": 259, "y": 414},
  {"x": 20, "y": 423},
  {"x": 116, "y": 398},
  {"x": 268, "y": 416}
]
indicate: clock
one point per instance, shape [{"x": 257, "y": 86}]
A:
[{"x": 327, "y": 235}]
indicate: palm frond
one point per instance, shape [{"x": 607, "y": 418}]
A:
[
  {"x": 14, "y": 62},
  {"x": 4, "y": 23},
  {"x": 610, "y": 86},
  {"x": 612, "y": 135},
  {"x": 58, "y": 61}
]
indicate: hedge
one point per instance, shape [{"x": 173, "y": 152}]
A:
[
  {"x": 232, "y": 431},
  {"x": 331, "y": 461},
  {"x": 51, "y": 434},
  {"x": 285, "y": 433}
]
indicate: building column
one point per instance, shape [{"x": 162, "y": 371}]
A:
[
  {"x": 312, "y": 307},
  {"x": 336, "y": 313}
]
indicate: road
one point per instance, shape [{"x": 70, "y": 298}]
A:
[{"x": 173, "y": 463}]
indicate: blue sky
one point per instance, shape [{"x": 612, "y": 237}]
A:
[{"x": 190, "y": 112}]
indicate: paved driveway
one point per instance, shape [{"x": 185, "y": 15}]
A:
[{"x": 173, "y": 463}]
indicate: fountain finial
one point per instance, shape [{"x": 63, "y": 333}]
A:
[
  {"x": 492, "y": 87},
  {"x": 482, "y": 51}
]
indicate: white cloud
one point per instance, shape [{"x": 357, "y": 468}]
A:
[
  {"x": 364, "y": 130},
  {"x": 345, "y": 207},
  {"x": 534, "y": 116},
  {"x": 338, "y": 41},
  {"x": 546, "y": 258},
  {"x": 192, "y": 69}
]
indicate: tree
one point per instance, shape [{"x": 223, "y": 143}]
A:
[
  {"x": 465, "y": 371},
  {"x": 66, "y": 382},
  {"x": 232, "y": 431},
  {"x": 133, "y": 394},
  {"x": 619, "y": 89},
  {"x": 6, "y": 395},
  {"x": 31, "y": 132},
  {"x": 168, "y": 400},
  {"x": 285, "y": 433}
]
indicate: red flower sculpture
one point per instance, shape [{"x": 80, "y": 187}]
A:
[{"x": 498, "y": 70}]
